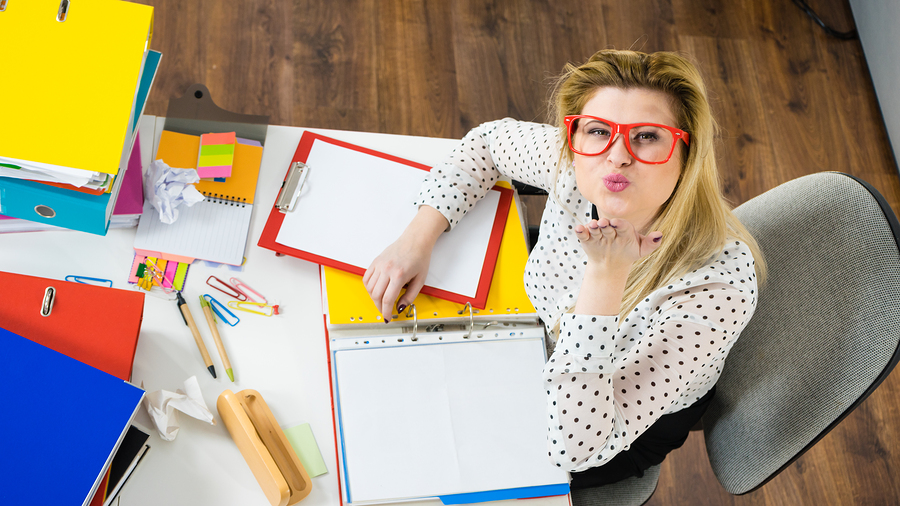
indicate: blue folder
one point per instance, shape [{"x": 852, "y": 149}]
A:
[{"x": 61, "y": 424}]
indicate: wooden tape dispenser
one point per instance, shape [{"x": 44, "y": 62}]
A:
[{"x": 264, "y": 446}]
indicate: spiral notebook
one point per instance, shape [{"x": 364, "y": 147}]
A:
[{"x": 214, "y": 229}]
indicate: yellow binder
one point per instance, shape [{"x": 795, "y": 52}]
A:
[{"x": 69, "y": 80}]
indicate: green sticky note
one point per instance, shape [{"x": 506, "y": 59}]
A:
[{"x": 304, "y": 444}]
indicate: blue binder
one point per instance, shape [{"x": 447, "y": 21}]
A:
[
  {"x": 63, "y": 423},
  {"x": 29, "y": 200}
]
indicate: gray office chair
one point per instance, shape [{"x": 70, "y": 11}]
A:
[{"x": 825, "y": 333}]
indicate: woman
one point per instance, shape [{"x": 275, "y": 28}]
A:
[{"x": 641, "y": 271}]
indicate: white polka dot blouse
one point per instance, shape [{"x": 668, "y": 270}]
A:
[{"x": 607, "y": 381}]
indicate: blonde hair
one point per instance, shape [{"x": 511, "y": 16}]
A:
[{"x": 696, "y": 221}]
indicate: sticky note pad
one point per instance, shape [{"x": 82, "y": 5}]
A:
[
  {"x": 304, "y": 444},
  {"x": 216, "y": 155}
]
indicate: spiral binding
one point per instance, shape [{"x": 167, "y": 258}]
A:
[{"x": 216, "y": 198}]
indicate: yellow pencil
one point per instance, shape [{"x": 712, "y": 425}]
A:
[{"x": 211, "y": 320}]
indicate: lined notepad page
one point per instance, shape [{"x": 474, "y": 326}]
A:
[{"x": 212, "y": 229}]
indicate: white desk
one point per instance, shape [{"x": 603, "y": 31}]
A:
[{"x": 283, "y": 357}]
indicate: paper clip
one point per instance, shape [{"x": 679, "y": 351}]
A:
[
  {"x": 158, "y": 275},
  {"x": 84, "y": 280},
  {"x": 221, "y": 310},
  {"x": 262, "y": 308},
  {"x": 242, "y": 287},
  {"x": 225, "y": 288}
]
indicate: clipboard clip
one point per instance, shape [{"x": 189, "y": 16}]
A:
[{"x": 290, "y": 188}]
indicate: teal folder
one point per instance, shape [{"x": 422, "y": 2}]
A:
[{"x": 61, "y": 424}]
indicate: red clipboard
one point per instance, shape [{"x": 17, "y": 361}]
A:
[
  {"x": 96, "y": 325},
  {"x": 276, "y": 217}
]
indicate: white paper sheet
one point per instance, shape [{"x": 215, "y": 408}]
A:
[
  {"x": 426, "y": 420},
  {"x": 354, "y": 205}
]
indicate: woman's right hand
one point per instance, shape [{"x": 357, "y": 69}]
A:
[{"x": 405, "y": 262}]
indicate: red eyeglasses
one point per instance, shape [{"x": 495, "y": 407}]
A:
[{"x": 646, "y": 142}]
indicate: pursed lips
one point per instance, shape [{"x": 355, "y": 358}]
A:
[{"x": 615, "y": 182}]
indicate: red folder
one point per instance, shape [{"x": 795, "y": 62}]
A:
[
  {"x": 276, "y": 217},
  {"x": 93, "y": 324}
]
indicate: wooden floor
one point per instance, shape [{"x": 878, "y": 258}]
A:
[{"x": 790, "y": 101}]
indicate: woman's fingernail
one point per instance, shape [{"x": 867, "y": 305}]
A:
[
  {"x": 657, "y": 239},
  {"x": 613, "y": 226},
  {"x": 401, "y": 307}
]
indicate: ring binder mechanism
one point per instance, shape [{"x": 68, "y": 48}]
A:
[{"x": 293, "y": 184}]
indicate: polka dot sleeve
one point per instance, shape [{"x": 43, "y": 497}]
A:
[
  {"x": 527, "y": 152},
  {"x": 607, "y": 382}
]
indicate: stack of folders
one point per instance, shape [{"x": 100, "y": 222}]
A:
[
  {"x": 443, "y": 383},
  {"x": 94, "y": 360},
  {"x": 81, "y": 77},
  {"x": 126, "y": 213}
]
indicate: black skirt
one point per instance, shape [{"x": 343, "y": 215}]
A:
[{"x": 648, "y": 450}]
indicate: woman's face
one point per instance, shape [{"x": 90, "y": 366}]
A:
[{"x": 618, "y": 184}]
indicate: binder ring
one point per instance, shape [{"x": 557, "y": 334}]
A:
[
  {"x": 471, "y": 319},
  {"x": 412, "y": 309}
]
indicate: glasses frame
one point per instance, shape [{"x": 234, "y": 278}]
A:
[{"x": 624, "y": 129}]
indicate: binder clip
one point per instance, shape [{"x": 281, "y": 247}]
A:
[
  {"x": 264, "y": 446},
  {"x": 290, "y": 188}
]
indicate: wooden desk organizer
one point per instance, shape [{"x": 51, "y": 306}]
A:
[{"x": 264, "y": 446}]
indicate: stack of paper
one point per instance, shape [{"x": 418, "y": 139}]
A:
[{"x": 128, "y": 208}]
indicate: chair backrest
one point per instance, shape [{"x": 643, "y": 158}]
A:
[{"x": 825, "y": 332}]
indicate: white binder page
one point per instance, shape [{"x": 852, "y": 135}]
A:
[
  {"x": 353, "y": 205},
  {"x": 441, "y": 419}
]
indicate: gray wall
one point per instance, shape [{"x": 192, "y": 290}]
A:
[{"x": 878, "y": 23}]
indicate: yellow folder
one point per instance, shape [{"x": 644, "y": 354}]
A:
[
  {"x": 68, "y": 86},
  {"x": 348, "y": 301}
]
